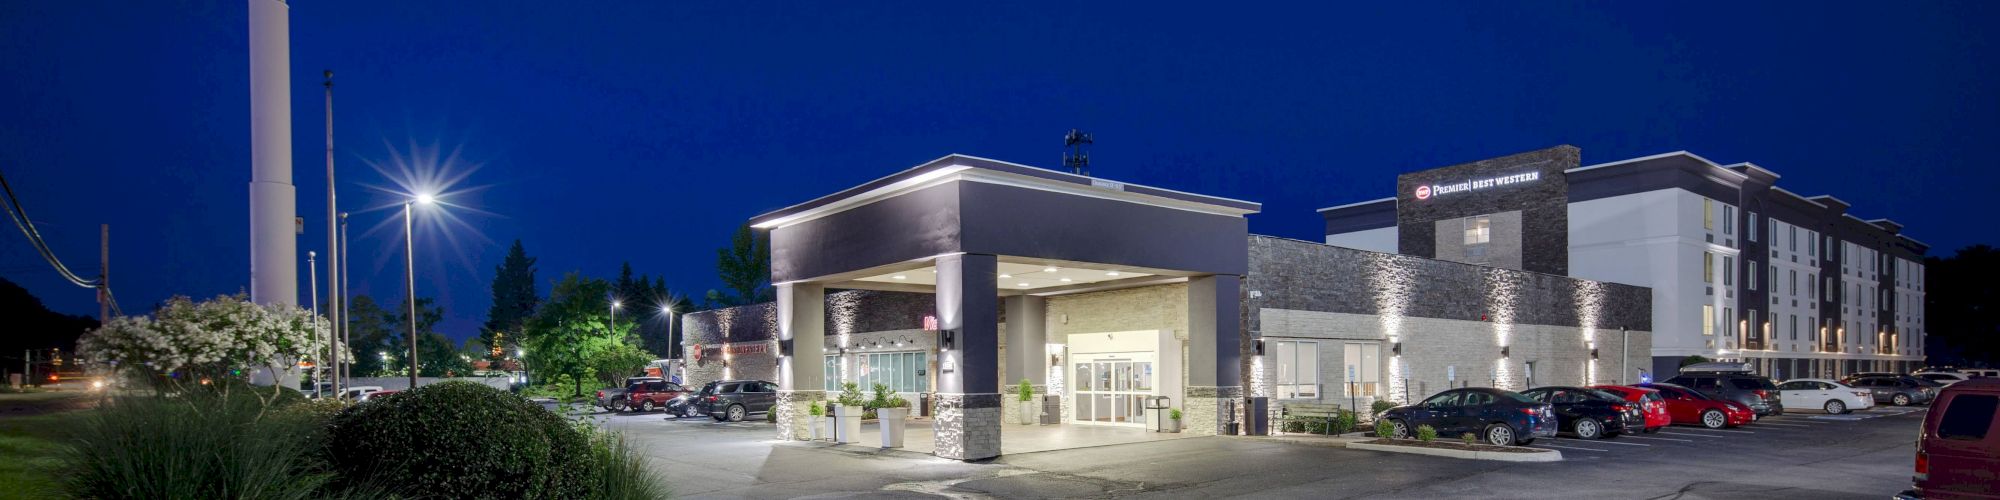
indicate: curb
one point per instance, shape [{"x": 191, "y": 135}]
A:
[{"x": 1547, "y": 456}]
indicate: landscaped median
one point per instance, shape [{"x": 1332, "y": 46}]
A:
[{"x": 1459, "y": 450}]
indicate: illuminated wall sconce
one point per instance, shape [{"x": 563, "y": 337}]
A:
[
  {"x": 1396, "y": 348},
  {"x": 1506, "y": 351},
  {"x": 1593, "y": 353},
  {"x": 784, "y": 348},
  {"x": 1257, "y": 347},
  {"x": 948, "y": 339},
  {"x": 1054, "y": 360}
]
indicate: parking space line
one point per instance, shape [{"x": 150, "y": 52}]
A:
[
  {"x": 1722, "y": 430},
  {"x": 1598, "y": 442},
  {"x": 1693, "y": 435},
  {"x": 1564, "y": 447},
  {"x": 1653, "y": 439},
  {"x": 1842, "y": 418},
  {"x": 1784, "y": 424}
]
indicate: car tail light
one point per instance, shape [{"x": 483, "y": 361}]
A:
[
  {"x": 1923, "y": 471},
  {"x": 1762, "y": 394},
  {"x": 600, "y": 394},
  {"x": 711, "y": 398}
]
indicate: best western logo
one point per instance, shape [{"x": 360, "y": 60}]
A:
[{"x": 1425, "y": 192}]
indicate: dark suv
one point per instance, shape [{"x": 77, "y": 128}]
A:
[
  {"x": 1752, "y": 390},
  {"x": 731, "y": 400}
]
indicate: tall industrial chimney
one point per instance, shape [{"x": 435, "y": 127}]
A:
[{"x": 274, "y": 268}]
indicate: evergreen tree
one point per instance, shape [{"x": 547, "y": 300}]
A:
[
  {"x": 514, "y": 299},
  {"x": 371, "y": 331},
  {"x": 571, "y": 330},
  {"x": 745, "y": 268}
]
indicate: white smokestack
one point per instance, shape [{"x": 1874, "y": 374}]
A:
[{"x": 274, "y": 268}]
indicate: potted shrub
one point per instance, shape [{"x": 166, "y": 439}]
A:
[
  {"x": 890, "y": 410},
  {"x": 817, "y": 420},
  {"x": 1173, "y": 423},
  {"x": 1029, "y": 411},
  {"x": 847, "y": 414}
]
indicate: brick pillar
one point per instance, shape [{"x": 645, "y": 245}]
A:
[
  {"x": 968, "y": 400},
  {"x": 801, "y": 372},
  {"x": 1214, "y": 355}
]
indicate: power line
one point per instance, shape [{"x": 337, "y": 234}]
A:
[{"x": 21, "y": 220}]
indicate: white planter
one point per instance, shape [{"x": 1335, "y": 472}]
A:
[
  {"x": 1170, "y": 425},
  {"x": 1031, "y": 413},
  {"x": 847, "y": 424},
  {"x": 891, "y": 422},
  {"x": 818, "y": 427}
]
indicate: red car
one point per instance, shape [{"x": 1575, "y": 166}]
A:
[
  {"x": 1689, "y": 407},
  {"x": 1960, "y": 445},
  {"x": 646, "y": 396},
  {"x": 1650, "y": 404}
]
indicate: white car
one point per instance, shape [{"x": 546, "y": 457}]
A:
[
  {"x": 1945, "y": 378},
  {"x": 1821, "y": 394},
  {"x": 1979, "y": 372},
  {"x": 356, "y": 392}
]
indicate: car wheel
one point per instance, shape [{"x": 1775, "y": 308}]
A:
[
  {"x": 617, "y": 405},
  {"x": 1589, "y": 429},
  {"x": 1836, "y": 407},
  {"x": 1901, "y": 400},
  {"x": 1714, "y": 419},
  {"x": 1398, "y": 429},
  {"x": 1500, "y": 435},
  {"x": 646, "y": 406},
  {"x": 736, "y": 413}
]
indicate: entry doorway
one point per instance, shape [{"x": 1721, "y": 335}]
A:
[{"x": 1111, "y": 388}]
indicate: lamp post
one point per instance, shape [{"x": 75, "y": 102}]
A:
[
  {"x": 410, "y": 279},
  {"x": 669, "y": 309},
  {"x": 523, "y": 355},
  {"x": 312, "y": 274}
]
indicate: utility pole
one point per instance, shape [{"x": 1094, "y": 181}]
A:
[
  {"x": 346, "y": 371},
  {"x": 333, "y": 261},
  {"x": 104, "y": 279},
  {"x": 410, "y": 279},
  {"x": 312, "y": 277}
]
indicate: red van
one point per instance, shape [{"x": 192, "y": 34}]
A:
[{"x": 1958, "y": 454}]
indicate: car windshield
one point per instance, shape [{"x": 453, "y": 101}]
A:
[
  {"x": 1518, "y": 397},
  {"x": 1922, "y": 382}
]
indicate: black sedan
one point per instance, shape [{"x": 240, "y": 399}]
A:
[
  {"x": 1500, "y": 417},
  {"x": 1588, "y": 413}
]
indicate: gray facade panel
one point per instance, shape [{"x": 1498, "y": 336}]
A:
[
  {"x": 1360, "y": 217},
  {"x": 1543, "y": 203},
  {"x": 914, "y": 225},
  {"x": 1014, "y": 221}
]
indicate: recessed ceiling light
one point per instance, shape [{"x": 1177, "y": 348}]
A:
[
  {"x": 1065, "y": 280},
  {"x": 901, "y": 277},
  {"x": 1049, "y": 269},
  {"x": 1023, "y": 284},
  {"x": 1006, "y": 275},
  {"x": 1112, "y": 273}
]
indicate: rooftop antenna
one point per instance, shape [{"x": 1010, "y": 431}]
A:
[{"x": 1076, "y": 159}]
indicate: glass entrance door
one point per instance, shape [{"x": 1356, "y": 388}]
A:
[{"x": 1111, "y": 389}]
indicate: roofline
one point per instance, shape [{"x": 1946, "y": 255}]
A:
[
  {"x": 1927, "y": 246},
  {"x": 1685, "y": 153},
  {"x": 939, "y": 169},
  {"x": 1746, "y": 164},
  {"x": 1796, "y": 195},
  {"x": 1356, "y": 204}
]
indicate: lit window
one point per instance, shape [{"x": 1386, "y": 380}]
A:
[
  {"x": 1478, "y": 233},
  {"x": 1363, "y": 361},
  {"x": 1298, "y": 369},
  {"x": 1707, "y": 267},
  {"x": 1707, "y": 213},
  {"x": 1707, "y": 319}
]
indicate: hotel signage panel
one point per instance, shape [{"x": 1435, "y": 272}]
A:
[{"x": 1427, "y": 191}]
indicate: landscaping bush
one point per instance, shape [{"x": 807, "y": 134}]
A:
[
  {"x": 459, "y": 439},
  {"x": 205, "y": 442},
  {"x": 1345, "y": 423},
  {"x": 620, "y": 472},
  {"x": 1468, "y": 438},
  {"x": 1427, "y": 433},
  {"x": 1380, "y": 406},
  {"x": 1384, "y": 430}
]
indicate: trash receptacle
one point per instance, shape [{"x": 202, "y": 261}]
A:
[{"x": 1157, "y": 406}]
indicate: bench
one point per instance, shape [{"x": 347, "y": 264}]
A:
[{"x": 1313, "y": 417}]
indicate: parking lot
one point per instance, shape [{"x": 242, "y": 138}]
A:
[{"x": 1866, "y": 454}]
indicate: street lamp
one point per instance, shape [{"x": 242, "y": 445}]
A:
[
  {"x": 669, "y": 309},
  {"x": 312, "y": 271},
  {"x": 614, "y": 314},
  {"x": 522, "y": 354},
  {"x": 410, "y": 278}
]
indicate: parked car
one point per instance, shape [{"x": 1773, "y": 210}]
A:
[
  {"x": 355, "y": 392},
  {"x": 1826, "y": 395},
  {"x": 613, "y": 398},
  {"x": 1979, "y": 372},
  {"x": 1500, "y": 417},
  {"x": 651, "y": 394},
  {"x": 1649, "y": 401},
  {"x": 1589, "y": 413},
  {"x": 1897, "y": 390},
  {"x": 1959, "y": 447},
  {"x": 1943, "y": 378},
  {"x": 1691, "y": 407},
  {"x": 1849, "y": 379},
  {"x": 1750, "y": 389},
  {"x": 371, "y": 396},
  {"x": 732, "y": 400},
  {"x": 682, "y": 406},
  {"x": 1936, "y": 368}
]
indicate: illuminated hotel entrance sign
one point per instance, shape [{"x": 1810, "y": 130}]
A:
[{"x": 1425, "y": 192}]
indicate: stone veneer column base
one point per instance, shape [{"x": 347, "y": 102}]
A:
[
  {"x": 1010, "y": 405},
  {"x": 967, "y": 426},
  {"x": 1201, "y": 409},
  {"x": 795, "y": 413}
]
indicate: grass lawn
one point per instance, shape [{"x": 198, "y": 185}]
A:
[{"x": 29, "y": 443}]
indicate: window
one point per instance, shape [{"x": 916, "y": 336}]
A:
[
  {"x": 1774, "y": 286},
  {"x": 1794, "y": 326},
  {"x": 1707, "y": 267},
  {"x": 1754, "y": 278},
  {"x": 1793, "y": 282},
  {"x": 1707, "y": 319},
  {"x": 1792, "y": 235},
  {"x": 832, "y": 373},
  {"x": 1967, "y": 417},
  {"x": 1728, "y": 271},
  {"x": 1811, "y": 238},
  {"x": 901, "y": 371},
  {"x": 1363, "y": 368},
  {"x": 1728, "y": 219},
  {"x": 1751, "y": 225},
  {"x": 1478, "y": 232},
  {"x": 1707, "y": 213},
  {"x": 1298, "y": 369},
  {"x": 1810, "y": 289},
  {"x": 1728, "y": 327}
]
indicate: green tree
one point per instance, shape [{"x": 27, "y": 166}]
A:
[
  {"x": 430, "y": 364},
  {"x": 745, "y": 268},
  {"x": 371, "y": 332},
  {"x": 617, "y": 360},
  {"x": 439, "y": 358},
  {"x": 1961, "y": 292},
  {"x": 1695, "y": 359},
  {"x": 514, "y": 299},
  {"x": 571, "y": 328}
]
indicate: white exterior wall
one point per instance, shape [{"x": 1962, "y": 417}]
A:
[
  {"x": 1374, "y": 240},
  {"x": 1656, "y": 239}
]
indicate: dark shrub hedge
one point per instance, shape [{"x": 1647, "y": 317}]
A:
[{"x": 461, "y": 440}]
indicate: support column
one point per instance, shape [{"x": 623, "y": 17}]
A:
[
  {"x": 1027, "y": 357},
  {"x": 968, "y": 401},
  {"x": 801, "y": 362},
  {"x": 1215, "y": 346}
]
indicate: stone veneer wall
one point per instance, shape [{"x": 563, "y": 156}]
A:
[
  {"x": 1446, "y": 314},
  {"x": 1158, "y": 307},
  {"x": 896, "y": 314}
]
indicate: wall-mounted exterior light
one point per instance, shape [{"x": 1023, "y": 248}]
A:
[
  {"x": 784, "y": 348},
  {"x": 1257, "y": 347},
  {"x": 1593, "y": 353},
  {"x": 1396, "y": 348},
  {"x": 947, "y": 339},
  {"x": 1506, "y": 351}
]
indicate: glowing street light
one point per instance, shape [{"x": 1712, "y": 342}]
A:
[{"x": 410, "y": 276}]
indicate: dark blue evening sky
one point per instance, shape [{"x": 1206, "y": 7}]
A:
[{"x": 645, "y": 132}]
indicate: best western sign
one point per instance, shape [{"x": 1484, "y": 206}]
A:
[{"x": 1427, "y": 191}]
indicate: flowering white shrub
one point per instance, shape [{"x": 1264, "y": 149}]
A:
[{"x": 215, "y": 336}]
